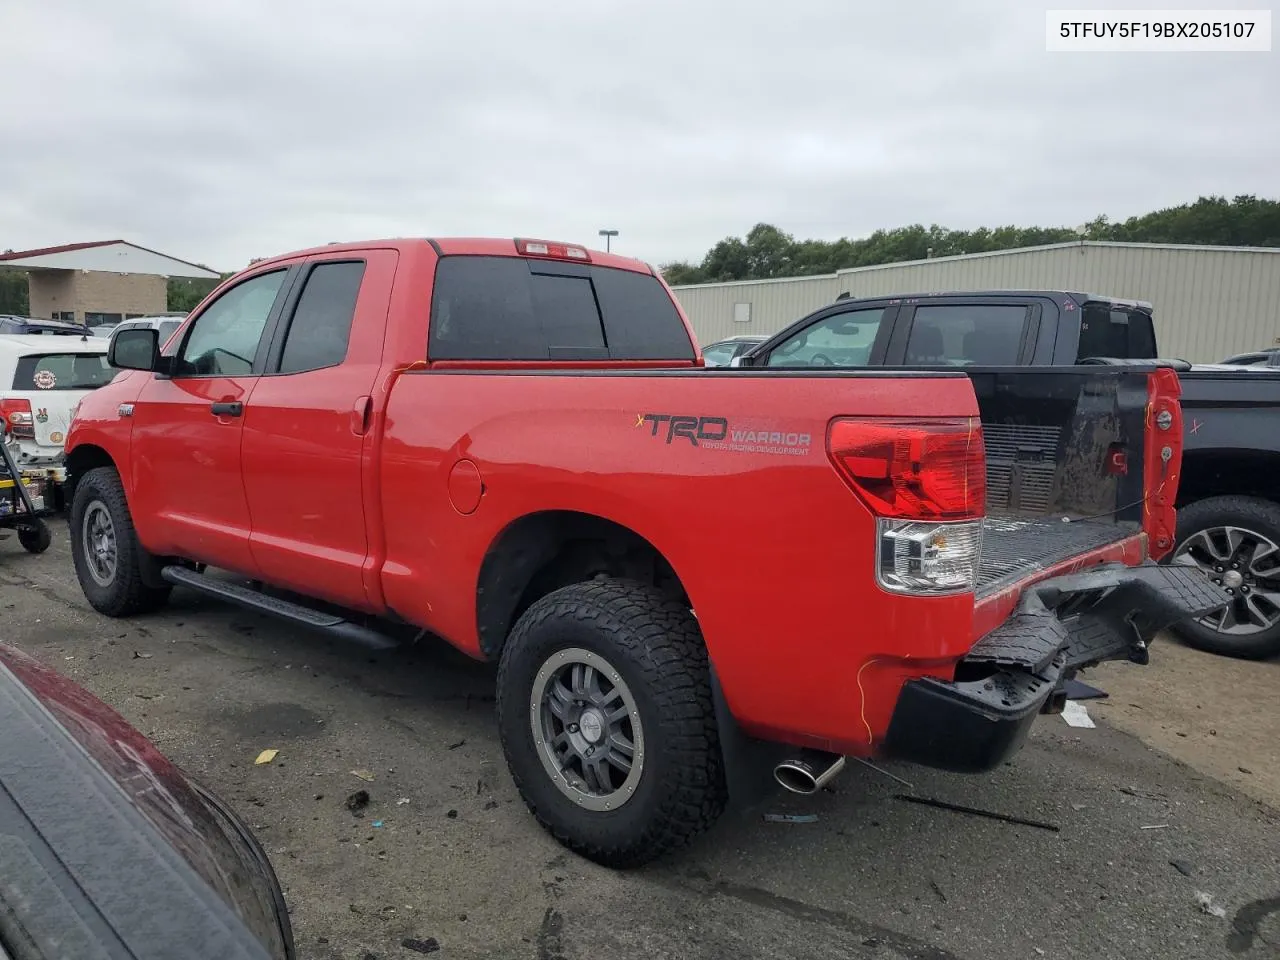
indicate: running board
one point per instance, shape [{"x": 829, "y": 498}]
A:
[{"x": 329, "y": 623}]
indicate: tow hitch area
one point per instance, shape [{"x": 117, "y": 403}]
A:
[{"x": 1020, "y": 669}]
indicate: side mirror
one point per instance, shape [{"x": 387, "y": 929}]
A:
[{"x": 135, "y": 349}]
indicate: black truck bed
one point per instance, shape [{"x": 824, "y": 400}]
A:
[{"x": 1051, "y": 437}]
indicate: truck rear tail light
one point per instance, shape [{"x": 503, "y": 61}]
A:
[
  {"x": 929, "y": 558},
  {"x": 925, "y": 480},
  {"x": 18, "y": 418},
  {"x": 552, "y": 251},
  {"x": 913, "y": 468}
]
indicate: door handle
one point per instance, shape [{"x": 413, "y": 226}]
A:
[
  {"x": 231, "y": 408},
  {"x": 360, "y": 415}
]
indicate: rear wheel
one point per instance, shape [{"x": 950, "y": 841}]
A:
[
  {"x": 607, "y": 723},
  {"x": 105, "y": 550},
  {"x": 1236, "y": 542}
]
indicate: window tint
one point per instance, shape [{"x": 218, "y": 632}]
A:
[
  {"x": 224, "y": 338},
  {"x": 987, "y": 335},
  {"x": 63, "y": 371},
  {"x": 639, "y": 317},
  {"x": 842, "y": 340},
  {"x": 1115, "y": 332},
  {"x": 321, "y": 324},
  {"x": 167, "y": 328},
  {"x": 506, "y": 308}
]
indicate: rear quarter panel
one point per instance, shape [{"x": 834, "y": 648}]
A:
[{"x": 773, "y": 549}]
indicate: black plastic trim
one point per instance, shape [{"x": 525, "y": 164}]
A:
[{"x": 1060, "y": 626}]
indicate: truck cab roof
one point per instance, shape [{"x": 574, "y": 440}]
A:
[
  {"x": 1056, "y": 295},
  {"x": 470, "y": 246}
]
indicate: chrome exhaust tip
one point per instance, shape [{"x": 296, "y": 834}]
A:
[{"x": 809, "y": 772}]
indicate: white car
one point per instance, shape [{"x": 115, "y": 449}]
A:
[{"x": 42, "y": 380}]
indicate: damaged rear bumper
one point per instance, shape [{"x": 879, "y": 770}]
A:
[{"x": 1017, "y": 671}]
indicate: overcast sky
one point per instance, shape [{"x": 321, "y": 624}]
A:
[{"x": 221, "y": 130}]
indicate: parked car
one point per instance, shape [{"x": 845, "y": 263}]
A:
[
  {"x": 1229, "y": 491},
  {"x": 1270, "y": 357},
  {"x": 109, "y": 850},
  {"x": 165, "y": 324},
  {"x": 41, "y": 381},
  {"x": 25, "y": 326},
  {"x": 537, "y": 470},
  {"x": 722, "y": 352}
]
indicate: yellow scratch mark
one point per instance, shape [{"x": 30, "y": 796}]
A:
[
  {"x": 639, "y": 419},
  {"x": 862, "y": 699}
]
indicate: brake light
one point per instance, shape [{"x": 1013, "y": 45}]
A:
[
  {"x": 925, "y": 480},
  {"x": 18, "y": 418},
  {"x": 552, "y": 251},
  {"x": 913, "y": 468},
  {"x": 1162, "y": 460}
]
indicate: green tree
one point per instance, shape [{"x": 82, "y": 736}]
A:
[{"x": 766, "y": 251}]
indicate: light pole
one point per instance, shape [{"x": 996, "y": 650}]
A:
[{"x": 608, "y": 235}]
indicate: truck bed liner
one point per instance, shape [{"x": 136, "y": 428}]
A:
[{"x": 1013, "y": 547}]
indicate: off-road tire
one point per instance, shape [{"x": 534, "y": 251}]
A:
[
  {"x": 127, "y": 593},
  {"x": 1250, "y": 513},
  {"x": 654, "y": 643},
  {"x": 35, "y": 538}
]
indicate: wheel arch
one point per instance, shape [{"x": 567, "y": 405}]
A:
[
  {"x": 1229, "y": 472},
  {"x": 543, "y": 551},
  {"x": 82, "y": 459}
]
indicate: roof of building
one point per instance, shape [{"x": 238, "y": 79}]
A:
[
  {"x": 1011, "y": 251},
  {"x": 107, "y": 256}
]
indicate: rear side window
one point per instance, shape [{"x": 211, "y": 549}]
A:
[
  {"x": 321, "y": 325},
  {"x": 508, "y": 308},
  {"x": 962, "y": 334},
  {"x": 63, "y": 371},
  {"x": 1110, "y": 331}
]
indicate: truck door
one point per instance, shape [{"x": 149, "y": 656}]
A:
[
  {"x": 308, "y": 428},
  {"x": 187, "y": 494}
]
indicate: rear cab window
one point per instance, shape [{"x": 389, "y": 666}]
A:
[
  {"x": 62, "y": 371},
  {"x": 512, "y": 308},
  {"x": 1115, "y": 330}
]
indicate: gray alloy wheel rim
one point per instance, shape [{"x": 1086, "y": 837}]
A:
[
  {"x": 586, "y": 728},
  {"x": 1247, "y": 565},
  {"x": 98, "y": 540}
]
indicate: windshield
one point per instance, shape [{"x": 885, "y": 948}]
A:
[{"x": 62, "y": 371}]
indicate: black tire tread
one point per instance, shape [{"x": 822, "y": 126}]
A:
[
  {"x": 660, "y": 639},
  {"x": 1231, "y": 510},
  {"x": 129, "y": 595},
  {"x": 36, "y": 538}
]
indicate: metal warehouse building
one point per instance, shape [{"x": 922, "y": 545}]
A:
[{"x": 1210, "y": 302}]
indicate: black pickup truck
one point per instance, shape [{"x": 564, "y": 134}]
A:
[{"x": 1229, "y": 493}]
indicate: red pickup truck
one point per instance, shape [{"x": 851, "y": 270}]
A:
[{"x": 694, "y": 581}]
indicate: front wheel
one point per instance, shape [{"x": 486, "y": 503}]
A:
[
  {"x": 105, "y": 550},
  {"x": 1236, "y": 542},
  {"x": 607, "y": 722}
]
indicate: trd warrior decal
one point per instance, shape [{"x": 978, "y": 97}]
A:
[{"x": 716, "y": 433}]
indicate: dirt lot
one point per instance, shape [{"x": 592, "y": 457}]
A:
[{"x": 458, "y": 859}]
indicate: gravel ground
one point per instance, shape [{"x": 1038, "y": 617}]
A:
[{"x": 458, "y": 859}]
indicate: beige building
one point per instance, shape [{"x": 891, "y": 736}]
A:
[
  {"x": 1210, "y": 302},
  {"x": 99, "y": 283}
]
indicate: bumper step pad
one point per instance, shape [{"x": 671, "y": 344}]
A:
[{"x": 1104, "y": 614}]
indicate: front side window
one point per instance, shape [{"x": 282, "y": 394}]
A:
[
  {"x": 224, "y": 339},
  {"x": 718, "y": 354},
  {"x": 841, "y": 340}
]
